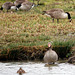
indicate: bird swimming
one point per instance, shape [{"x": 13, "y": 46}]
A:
[{"x": 21, "y": 71}]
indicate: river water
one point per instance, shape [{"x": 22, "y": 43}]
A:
[{"x": 36, "y": 68}]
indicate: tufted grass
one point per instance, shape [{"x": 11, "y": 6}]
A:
[{"x": 31, "y": 28}]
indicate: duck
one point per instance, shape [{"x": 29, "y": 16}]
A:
[
  {"x": 50, "y": 56},
  {"x": 71, "y": 59},
  {"x": 8, "y": 6},
  {"x": 21, "y": 71},
  {"x": 57, "y": 13},
  {"x": 26, "y": 6}
]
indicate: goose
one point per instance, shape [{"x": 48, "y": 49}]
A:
[
  {"x": 14, "y": 8},
  {"x": 8, "y": 5},
  {"x": 19, "y": 2},
  {"x": 57, "y": 13},
  {"x": 20, "y": 71},
  {"x": 26, "y": 6},
  {"x": 50, "y": 56}
]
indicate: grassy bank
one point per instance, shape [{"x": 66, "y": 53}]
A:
[{"x": 31, "y": 28}]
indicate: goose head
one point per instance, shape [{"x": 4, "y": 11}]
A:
[
  {"x": 44, "y": 12},
  {"x": 69, "y": 16},
  {"x": 1, "y": 8},
  {"x": 49, "y": 44}
]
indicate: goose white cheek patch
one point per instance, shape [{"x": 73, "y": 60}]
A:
[{"x": 47, "y": 15}]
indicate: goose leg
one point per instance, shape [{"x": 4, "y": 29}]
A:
[
  {"x": 33, "y": 1},
  {"x": 38, "y": 2},
  {"x": 53, "y": 19},
  {"x": 57, "y": 20},
  {"x": 7, "y": 10},
  {"x": 53, "y": 62}
]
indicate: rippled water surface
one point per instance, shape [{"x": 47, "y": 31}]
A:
[{"x": 36, "y": 68}]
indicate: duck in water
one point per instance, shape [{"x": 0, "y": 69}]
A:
[{"x": 21, "y": 71}]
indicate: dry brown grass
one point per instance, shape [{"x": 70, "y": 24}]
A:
[{"x": 31, "y": 27}]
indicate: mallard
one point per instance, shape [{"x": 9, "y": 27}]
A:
[
  {"x": 21, "y": 71},
  {"x": 50, "y": 56},
  {"x": 57, "y": 13}
]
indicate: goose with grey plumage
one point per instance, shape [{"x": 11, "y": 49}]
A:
[
  {"x": 57, "y": 13},
  {"x": 50, "y": 56},
  {"x": 8, "y": 6},
  {"x": 26, "y": 6},
  {"x": 19, "y": 2}
]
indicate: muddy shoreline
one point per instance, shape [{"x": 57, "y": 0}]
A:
[{"x": 34, "y": 53}]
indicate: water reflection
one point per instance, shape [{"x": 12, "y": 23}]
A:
[{"x": 36, "y": 68}]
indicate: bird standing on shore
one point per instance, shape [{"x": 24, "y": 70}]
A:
[
  {"x": 57, "y": 13},
  {"x": 50, "y": 56}
]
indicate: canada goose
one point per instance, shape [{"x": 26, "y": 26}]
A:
[
  {"x": 50, "y": 56},
  {"x": 20, "y": 71},
  {"x": 19, "y": 2},
  {"x": 26, "y": 6},
  {"x": 7, "y": 6},
  {"x": 37, "y": 1},
  {"x": 14, "y": 8},
  {"x": 57, "y": 13}
]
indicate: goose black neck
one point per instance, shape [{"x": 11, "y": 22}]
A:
[
  {"x": 69, "y": 16},
  {"x": 18, "y": 5},
  {"x": 1, "y": 8},
  {"x": 50, "y": 48}
]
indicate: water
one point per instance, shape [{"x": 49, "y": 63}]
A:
[{"x": 36, "y": 68}]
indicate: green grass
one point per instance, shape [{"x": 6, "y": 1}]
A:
[{"x": 31, "y": 28}]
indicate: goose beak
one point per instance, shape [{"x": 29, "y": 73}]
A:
[
  {"x": 49, "y": 44},
  {"x": 43, "y": 12},
  {"x": 70, "y": 20}
]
